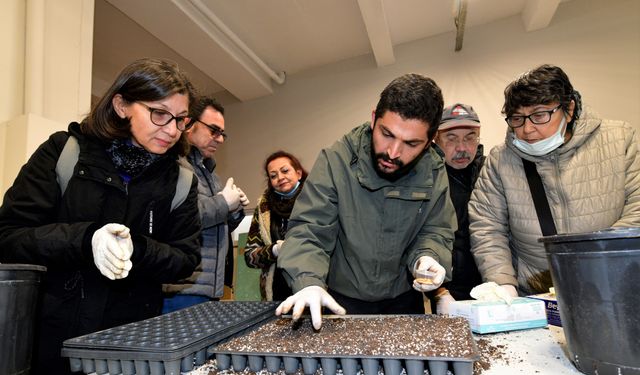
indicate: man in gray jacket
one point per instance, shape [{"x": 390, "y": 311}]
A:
[
  {"x": 221, "y": 209},
  {"x": 374, "y": 212}
]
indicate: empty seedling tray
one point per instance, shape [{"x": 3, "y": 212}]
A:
[
  {"x": 166, "y": 344},
  {"x": 353, "y": 342}
]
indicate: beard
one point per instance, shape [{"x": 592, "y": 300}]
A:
[{"x": 402, "y": 170}]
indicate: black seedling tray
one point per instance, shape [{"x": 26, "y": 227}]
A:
[
  {"x": 349, "y": 365},
  {"x": 166, "y": 344},
  {"x": 349, "y": 358}
]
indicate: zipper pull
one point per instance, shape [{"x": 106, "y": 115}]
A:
[{"x": 151, "y": 222}]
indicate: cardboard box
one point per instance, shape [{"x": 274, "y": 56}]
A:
[
  {"x": 487, "y": 317},
  {"x": 551, "y": 307}
]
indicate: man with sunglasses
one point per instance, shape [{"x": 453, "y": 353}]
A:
[
  {"x": 221, "y": 208},
  {"x": 589, "y": 169}
]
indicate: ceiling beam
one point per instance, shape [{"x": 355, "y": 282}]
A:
[
  {"x": 185, "y": 29},
  {"x": 460, "y": 21},
  {"x": 375, "y": 21},
  {"x": 537, "y": 14}
]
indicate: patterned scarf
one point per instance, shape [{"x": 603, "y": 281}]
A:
[
  {"x": 280, "y": 208},
  {"x": 129, "y": 159},
  {"x": 281, "y": 205}
]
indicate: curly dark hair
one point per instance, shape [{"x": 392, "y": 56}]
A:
[
  {"x": 146, "y": 79},
  {"x": 543, "y": 85},
  {"x": 413, "y": 96},
  {"x": 295, "y": 163}
]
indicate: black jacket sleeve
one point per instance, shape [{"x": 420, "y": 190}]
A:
[{"x": 29, "y": 231}]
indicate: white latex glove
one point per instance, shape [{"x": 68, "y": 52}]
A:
[
  {"x": 491, "y": 291},
  {"x": 509, "y": 290},
  {"x": 125, "y": 272},
  {"x": 123, "y": 237},
  {"x": 231, "y": 195},
  {"x": 244, "y": 201},
  {"x": 110, "y": 258},
  {"x": 275, "y": 249},
  {"x": 426, "y": 263},
  {"x": 313, "y": 296},
  {"x": 442, "y": 303},
  {"x": 126, "y": 244}
]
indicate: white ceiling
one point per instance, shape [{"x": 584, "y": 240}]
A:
[{"x": 285, "y": 35}]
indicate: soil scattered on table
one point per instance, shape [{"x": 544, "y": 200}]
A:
[{"x": 489, "y": 353}]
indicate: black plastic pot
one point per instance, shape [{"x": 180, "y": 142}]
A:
[
  {"x": 597, "y": 281},
  {"x": 19, "y": 284}
]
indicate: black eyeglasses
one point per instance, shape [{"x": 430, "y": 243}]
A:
[
  {"x": 161, "y": 117},
  {"x": 468, "y": 141},
  {"x": 536, "y": 118},
  {"x": 215, "y": 130}
]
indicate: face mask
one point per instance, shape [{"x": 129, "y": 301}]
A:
[
  {"x": 289, "y": 194},
  {"x": 544, "y": 146}
]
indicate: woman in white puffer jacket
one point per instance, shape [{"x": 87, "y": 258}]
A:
[{"x": 589, "y": 169}]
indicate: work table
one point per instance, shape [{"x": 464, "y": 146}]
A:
[{"x": 532, "y": 351}]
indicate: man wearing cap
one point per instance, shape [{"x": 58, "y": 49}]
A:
[{"x": 458, "y": 139}]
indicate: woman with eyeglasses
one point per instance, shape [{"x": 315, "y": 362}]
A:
[
  {"x": 285, "y": 178},
  {"x": 112, "y": 236},
  {"x": 588, "y": 168}
]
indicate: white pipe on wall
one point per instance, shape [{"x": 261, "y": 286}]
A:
[{"x": 277, "y": 77}]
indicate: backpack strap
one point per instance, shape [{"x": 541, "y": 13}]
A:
[
  {"x": 183, "y": 185},
  {"x": 67, "y": 162}
]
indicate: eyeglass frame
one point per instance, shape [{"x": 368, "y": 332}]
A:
[
  {"x": 215, "y": 130},
  {"x": 524, "y": 118},
  {"x": 186, "y": 121},
  {"x": 466, "y": 143}
]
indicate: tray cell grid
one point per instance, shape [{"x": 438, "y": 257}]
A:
[{"x": 176, "y": 329}]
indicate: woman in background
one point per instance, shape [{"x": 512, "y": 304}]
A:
[
  {"x": 112, "y": 237},
  {"x": 285, "y": 177}
]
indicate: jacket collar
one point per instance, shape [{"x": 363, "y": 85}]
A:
[
  {"x": 197, "y": 159},
  {"x": 93, "y": 152}
]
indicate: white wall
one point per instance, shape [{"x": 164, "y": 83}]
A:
[
  {"x": 12, "y": 25},
  {"x": 45, "y": 74},
  {"x": 596, "y": 42}
]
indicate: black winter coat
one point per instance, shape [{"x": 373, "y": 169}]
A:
[{"x": 38, "y": 226}]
